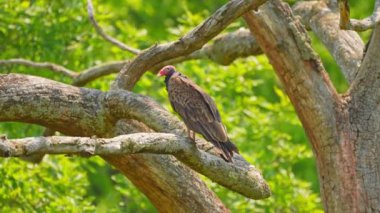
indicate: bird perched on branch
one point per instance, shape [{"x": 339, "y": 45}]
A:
[{"x": 197, "y": 110}]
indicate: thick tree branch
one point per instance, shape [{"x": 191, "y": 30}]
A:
[
  {"x": 192, "y": 41},
  {"x": 100, "y": 31},
  {"x": 354, "y": 24},
  {"x": 345, "y": 46},
  {"x": 223, "y": 50},
  {"x": 45, "y": 65},
  {"x": 52, "y": 104},
  {"x": 242, "y": 178}
]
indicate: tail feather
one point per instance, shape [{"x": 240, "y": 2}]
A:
[{"x": 228, "y": 149}]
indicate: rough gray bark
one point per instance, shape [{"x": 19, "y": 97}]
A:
[
  {"x": 342, "y": 129},
  {"x": 238, "y": 176},
  {"x": 363, "y": 127}
]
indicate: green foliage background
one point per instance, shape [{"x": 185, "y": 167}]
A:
[{"x": 257, "y": 113}]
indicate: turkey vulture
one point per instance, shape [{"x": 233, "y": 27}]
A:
[{"x": 197, "y": 110}]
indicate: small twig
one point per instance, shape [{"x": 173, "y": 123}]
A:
[
  {"x": 45, "y": 65},
  {"x": 100, "y": 31},
  {"x": 238, "y": 176},
  {"x": 358, "y": 25}
]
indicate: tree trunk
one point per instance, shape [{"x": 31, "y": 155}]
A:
[{"x": 343, "y": 130}]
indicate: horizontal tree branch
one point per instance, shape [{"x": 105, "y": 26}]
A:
[
  {"x": 100, "y": 31},
  {"x": 95, "y": 72},
  {"x": 81, "y": 111},
  {"x": 358, "y": 25},
  {"x": 243, "y": 178},
  {"x": 45, "y": 65},
  {"x": 187, "y": 44}
]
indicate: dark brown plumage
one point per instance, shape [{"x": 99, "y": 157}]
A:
[{"x": 198, "y": 111}]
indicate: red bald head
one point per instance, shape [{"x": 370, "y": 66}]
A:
[{"x": 167, "y": 70}]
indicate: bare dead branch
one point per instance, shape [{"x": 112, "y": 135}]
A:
[
  {"x": 192, "y": 41},
  {"x": 345, "y": 46},
  {"x": 95, "y": 72},
  {"x": 100, "y": 31},
  {"x": 45, "y": 65},
  {"x": 76, "y": 111},
  {"x": 358, "y": 25}
]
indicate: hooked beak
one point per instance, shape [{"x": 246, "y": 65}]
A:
[{"x": 159, "y": 74}]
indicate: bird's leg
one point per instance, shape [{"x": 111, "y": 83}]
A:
[{"x": 191, "y": 134}]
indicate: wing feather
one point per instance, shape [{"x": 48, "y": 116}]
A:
[{"x": 196, "y": 108}]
